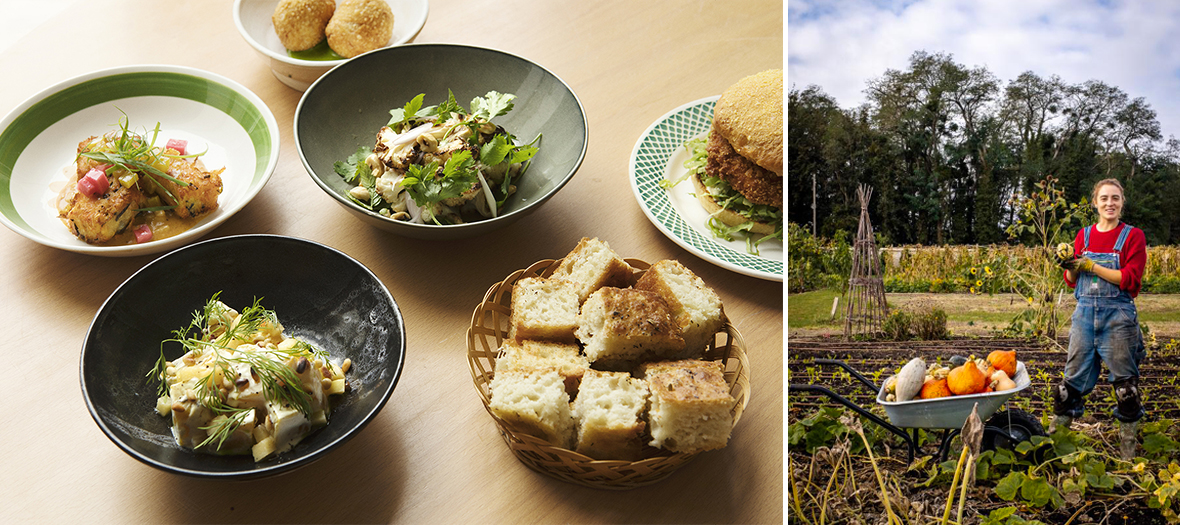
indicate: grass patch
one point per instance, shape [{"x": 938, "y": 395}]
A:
[
  {"x": 813, "y": 309},
  {"x": 970, "y": 314}
]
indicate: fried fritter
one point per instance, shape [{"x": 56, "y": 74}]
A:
[
  {"x": 759, "y": 185},
  {"x": 97, "y": 220},
  {"x": 196, "y": 199},
  {"x": 359, "y": 26},
  {"x": 300, "y": 23}
]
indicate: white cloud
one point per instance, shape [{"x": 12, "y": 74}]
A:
[{"x": 841, "y": 44}]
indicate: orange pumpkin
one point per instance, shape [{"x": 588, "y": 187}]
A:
[
  {"x": 1003, "y": 360},
  {"x": 934, "y": 388},
  {"x": 966, "y": 379}
]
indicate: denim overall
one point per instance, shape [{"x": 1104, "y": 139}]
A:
[{"x": 1105, "y": 325}]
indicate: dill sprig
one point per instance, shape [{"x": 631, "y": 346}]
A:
[{"x": 215, "y": 329}]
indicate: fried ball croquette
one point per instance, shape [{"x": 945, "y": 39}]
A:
[
  {"x": 359, "y": 26},
  {"x": 300, "y": 24}
]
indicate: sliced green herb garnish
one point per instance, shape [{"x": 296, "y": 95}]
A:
[{"x": 213, "y": 330}]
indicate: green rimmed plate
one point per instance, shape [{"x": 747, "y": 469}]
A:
[
  {"x": 659, "y": 155},
  {"x": 41, "y": 136}
]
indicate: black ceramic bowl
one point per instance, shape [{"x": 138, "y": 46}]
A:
[
  {"x": 345, "y": 108},
  {"x": 318, "y": 293}
]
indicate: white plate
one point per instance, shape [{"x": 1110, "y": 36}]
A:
[
  {"x": 41, "y": 136},
  {"x": 659, "y": 155}
]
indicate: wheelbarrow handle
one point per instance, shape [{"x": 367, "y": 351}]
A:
[
  {"x": 909, "y": 441},
  {"x": 850, "y": 370}
]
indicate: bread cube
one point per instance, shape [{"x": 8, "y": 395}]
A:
[
  {"x": 696, "y": 309},
  {"x": 543, "y": 309},
  {"x": 608, "y": 410},
  {"x": 619, "y": 327},
  {"x": 566, "y": 358},
  {"x": 690, "y": 407},
  {"x": 593, "y": 265},
  {"x": 534, "y": 402}
]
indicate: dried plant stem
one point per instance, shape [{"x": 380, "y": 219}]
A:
[
  {"x": 880, "y": 480},
  {"x": 966, "y": 481},
  {"x": 795, "y": 500},
  {"x": 950, "y": 499}
]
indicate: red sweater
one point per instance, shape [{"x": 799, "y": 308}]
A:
[{"x": 1131, "y": 261}]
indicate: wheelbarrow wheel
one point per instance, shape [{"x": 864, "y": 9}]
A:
[{"x": 1019, "y": 426}]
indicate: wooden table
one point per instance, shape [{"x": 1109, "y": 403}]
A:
[{"x": 433, "y": 454}]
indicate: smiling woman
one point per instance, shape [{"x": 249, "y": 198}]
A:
[{"x": 1105, "y": 272}]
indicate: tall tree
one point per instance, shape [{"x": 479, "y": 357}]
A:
[
  {"x": 949, "y": 149},
  {"x": 810, "y": 112}
]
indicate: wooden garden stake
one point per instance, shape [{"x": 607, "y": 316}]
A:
[{"x": 866, "y": 309}]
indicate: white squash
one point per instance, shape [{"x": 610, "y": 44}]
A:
[
  {"x": 1001, "y": 381},
  {"x": 910, "y": 379}
]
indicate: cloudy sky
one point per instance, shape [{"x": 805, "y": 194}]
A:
[{"x": 1132, "y": 44}]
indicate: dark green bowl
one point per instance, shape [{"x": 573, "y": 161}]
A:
[
  {"x": 345, "y": 108},
  {"x": 319, "y": 294}
]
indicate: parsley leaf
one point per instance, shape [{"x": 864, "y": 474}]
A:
[
  {"x": 495, "y": 150},
  {"x": 402, "y": 115},
  {"x": 351, "y": 168},
  {"x": 356, "y": 170},
  {"x": 445, "y": 109},
  {"x": 492, "y": 105},
  {"x": 426, "y": 186},
  {"x": 522, "y": 153}
]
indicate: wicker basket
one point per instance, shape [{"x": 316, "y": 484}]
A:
[{"x": 489, "y": 328}]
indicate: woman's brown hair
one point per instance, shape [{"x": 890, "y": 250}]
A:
[{"x": 1098, "y": 185}]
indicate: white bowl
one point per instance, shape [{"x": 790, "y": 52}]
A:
[
  {"x": 253, "y": 19},
  {"x": 40, "y": 138}
]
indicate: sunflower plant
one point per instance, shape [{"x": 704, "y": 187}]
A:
[{"x": 1045, "y": 219}]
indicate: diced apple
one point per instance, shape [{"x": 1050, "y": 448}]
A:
[
  {"x": 177, "y": 144},
  {"x": 263, "y": 448}
]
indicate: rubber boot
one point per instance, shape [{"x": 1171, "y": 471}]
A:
[
  {"x": 1128, "y": 439},
  {"x": 1060, "y": 421}
]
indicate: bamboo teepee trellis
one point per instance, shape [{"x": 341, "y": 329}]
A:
[{"x": 866, "y": 308}]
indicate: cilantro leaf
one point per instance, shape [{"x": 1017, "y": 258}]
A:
[
  {"x": 426, "y": 186},
  {"x": 495, "y": 150},
  {"x": 352, "y": 167},
  {"x": 445, "y": 109},
  {"x": 522, "y": 153},
  {"x": 356, "y": 170},
  {"x": 492, "y": 105},
  {"x": 399, "y": 116}
]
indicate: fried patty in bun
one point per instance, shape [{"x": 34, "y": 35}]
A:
[{"x": 742, "y": 183}]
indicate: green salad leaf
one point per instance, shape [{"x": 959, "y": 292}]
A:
[
  {"x": 426, "y": 186},
  {"x": 495, "y": 150},
  {"x": 450, "y": 106},
  {"x": 354, "y": 169},
  {"x": 492, "y": 105},
  {"x": 402, "y": 115}
]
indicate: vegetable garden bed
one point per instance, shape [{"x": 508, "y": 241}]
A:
[{"x": 1067, "y": 478}]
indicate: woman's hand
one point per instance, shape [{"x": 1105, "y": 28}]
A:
[
  {"x": 1085, "y": 264},
  {"x": 1078, "y": 264}
]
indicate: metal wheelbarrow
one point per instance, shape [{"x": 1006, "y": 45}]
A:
[{"x": 1002, "y": 429}]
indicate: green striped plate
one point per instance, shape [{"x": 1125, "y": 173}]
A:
[
  {"x": 211, "y": 112},
  {"x": 660, "y": 155}
]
